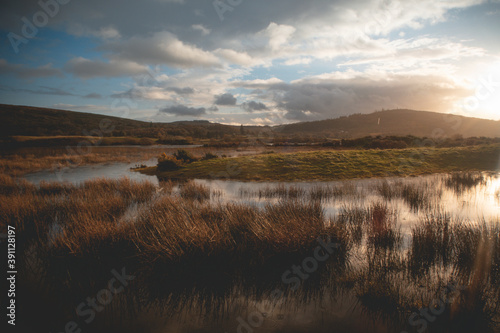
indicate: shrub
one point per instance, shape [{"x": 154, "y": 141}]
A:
[
  {"x": 209, "y": 156},
  {"x": 168, "y": 163},
  {"x": 184, "y": 156}
]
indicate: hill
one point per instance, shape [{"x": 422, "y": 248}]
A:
[
  {"x": 397, "y": 122},
  {"x": 35, "y": 122},
  {"x": 29, "y": 121}
]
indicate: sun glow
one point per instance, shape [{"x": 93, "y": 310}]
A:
[{"x": 488, "y": 92}]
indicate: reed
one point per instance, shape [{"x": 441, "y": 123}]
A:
[
  {"x": 178, "y": 241},
  {"x": 463, "y": 181},
  {"x": 415, "y": 196}
]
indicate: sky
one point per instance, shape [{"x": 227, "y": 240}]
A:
[{"x": 251, "y": 62}]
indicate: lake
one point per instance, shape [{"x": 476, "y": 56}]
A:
[{"x": 351, "y": 296}]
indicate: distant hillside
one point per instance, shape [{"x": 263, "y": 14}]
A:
[
  {"x": 18, "y": 120},
  {"x": 397, "y": 122},
  {"x": 32, "y": 121}
]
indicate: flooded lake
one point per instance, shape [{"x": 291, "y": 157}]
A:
[
  {"x": 374, "y": 288},
  {"x": 86, "y": 172},
  {"x": 473, "y": 203}
]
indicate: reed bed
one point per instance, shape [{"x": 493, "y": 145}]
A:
[
  {"x": 315, "y": 193},
  {"x": 166, "y": 226},
  {"x": 416, "y": 195},
  {"x": 463, "y": 181},
  {"x": 192, "y": 191},
  {"x": 178, "y": 241}
]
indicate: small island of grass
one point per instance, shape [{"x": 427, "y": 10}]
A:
[{"x": 331, "y": 165}]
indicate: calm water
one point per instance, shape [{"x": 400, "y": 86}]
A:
[
  {"x": 471, "y": 204},
  {"x": 82, "y": 173},
  {"x": 207, "y": 300}
]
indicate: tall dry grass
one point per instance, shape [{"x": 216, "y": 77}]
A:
[{"x": 76, "y": 230}]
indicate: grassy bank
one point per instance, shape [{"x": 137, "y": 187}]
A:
[{"x": 331, "y": 165}]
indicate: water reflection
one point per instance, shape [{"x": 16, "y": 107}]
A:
[
  {"x": 406, "y": 247},
  {"x": 473, "y": 202},
  {"x": 87, "y": 172}
]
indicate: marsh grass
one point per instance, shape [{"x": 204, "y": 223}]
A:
[
  {"x": 387, "y": 190},
  {"x": 464, "y": 181},
  {"x": 281, "y": 191},
  {"x": 415, "y": 196},
  {"x": 432, "y": 242},
  {"x": 353, "y": 218},
  {"x": 189, "y": 251},
  {"x": 319, "y": 193},
  {"x": 169, "y": 227},
  {"x": 192, "y": 191},
  {"x": 383, "y": 230},
  {"x": 329, "y": 192}
]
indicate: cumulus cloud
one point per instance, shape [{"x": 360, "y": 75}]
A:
[
  {"x": 182, "y": 110},
  {"x": 253, "y": 106},
  {"x": 279, "y": 34},
  {"x": 239, "y": 58},
  {"x": 163, "y": 48},
  {"x": 225, "y": 99},
  {"x": 376, "y": 63},
  {"x": 86, "y": 68},
  {"x": 320, "y": 98},
  {"x": 258, "y": 83}
]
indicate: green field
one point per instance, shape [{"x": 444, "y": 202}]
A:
[{"x": 346, "y": 164}]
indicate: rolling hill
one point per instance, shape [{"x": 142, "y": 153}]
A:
[
  {"x": 33, "y": 121},
  {"x": 397, "y": 122},
  {"x": 18, "y": 120}
]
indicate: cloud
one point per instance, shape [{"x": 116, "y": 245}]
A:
[
  {"x": 225, "y": 99},
  {"x": 381, "y": 55},
  {"x": 181, "y": 91},
  {"x": 163, "y": 48},
  {"x": 239, "y": 58},
  {"x": 279, "y": 34},
  {"x": 258, "y": 83},
  {"x": 198, "y": 27},
  {"x": 155, "y": 93},
  {"x": 86, "y": 68},
  {"x": 341, "y": 94},
  {"x": 93, "y": 95},
  {"x": 105, "y": 33},
  {"x": 23, "y": 72},
  {"x": 41, "y": 90},
  {"x": 182, "y": 110},
  {"x": 253, "y": 106}
]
